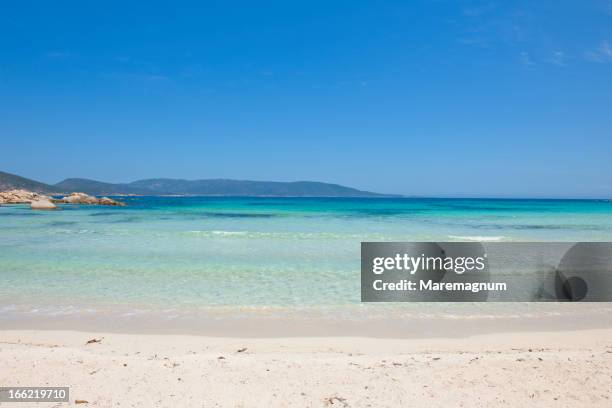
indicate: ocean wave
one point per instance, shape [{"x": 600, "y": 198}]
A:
[
  {"x": 71, "y": 231},
  {"x": 479, "y": 238},
  {"x": 60, "y": 223},
  {"x": 282, "y": 235},
  {"x": 237, "y": 215}
]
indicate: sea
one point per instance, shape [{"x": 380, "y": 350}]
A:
[{"x": 230, "y": 255}]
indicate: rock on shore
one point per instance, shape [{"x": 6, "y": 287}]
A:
[
  {"x": 21, "y": 197},
  {"x": 42, "y": 205},
  {"x": 40, "y": 201},
  {"x": 82, "y": 198}
]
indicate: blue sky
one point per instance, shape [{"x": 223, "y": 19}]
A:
[{"x": 436, "y": 98}]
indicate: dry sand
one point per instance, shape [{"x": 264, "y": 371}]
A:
[{"x": 556, "y": 369}]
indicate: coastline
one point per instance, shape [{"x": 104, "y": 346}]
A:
[
  {"x": 375, "y": 321},
  {"x": 143, "y": 370}
]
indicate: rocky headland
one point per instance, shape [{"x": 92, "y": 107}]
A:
[
  {"x": 40, "y": 201},
  {"x": 82, "y": 198}
]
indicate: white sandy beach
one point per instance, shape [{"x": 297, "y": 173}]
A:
[{"x": 547, "y": 369}]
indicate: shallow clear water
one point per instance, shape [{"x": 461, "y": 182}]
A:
[{"x": 183, "y": 252}]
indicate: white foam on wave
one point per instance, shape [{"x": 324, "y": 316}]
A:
[
  {"x": 219, "y": 233},
  {"x": 229, "y": 233},
  {"x": 282, "y": 235},
  {"x": 479, "y": 238}
]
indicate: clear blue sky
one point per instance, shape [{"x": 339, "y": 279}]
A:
[{"x": 437, "y": 98}]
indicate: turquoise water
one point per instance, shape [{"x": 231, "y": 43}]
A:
[{"x": 182, "y": 252}]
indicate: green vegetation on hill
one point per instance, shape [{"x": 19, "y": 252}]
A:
[
  {"x": 10, "y": 181},
  {"x": 99, "y": 188},
  {"x": 210, "y": 187},
  {"x": 249, "y": 188}
]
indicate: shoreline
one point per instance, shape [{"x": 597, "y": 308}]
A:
[
  {"x": 414, "y": 324},
  {"x": 492, "y": 342}
]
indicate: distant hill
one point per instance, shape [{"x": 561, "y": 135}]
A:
[
  {"x": 215, "y": 187},
  {"x": 10, "y": 181},
  {"x": 93, "y": 187},
  {"x": 209, "y": 187},
  {"x": 249, "y": 188}
]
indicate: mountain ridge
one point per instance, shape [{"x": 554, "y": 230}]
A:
[
  {"x": 10, "y": 181},
  {"x": 95, "y": 187},
  {"x": 202, "y": 187}
]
